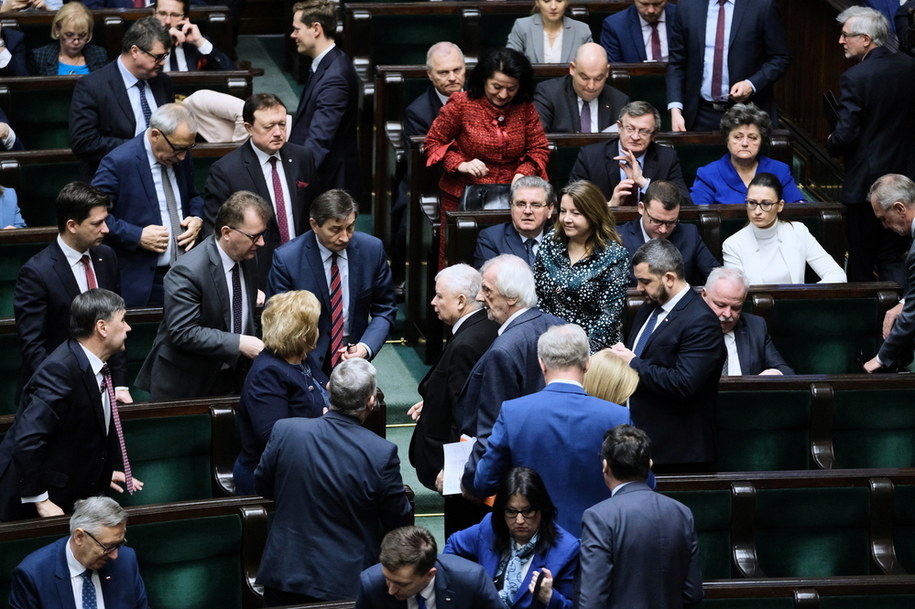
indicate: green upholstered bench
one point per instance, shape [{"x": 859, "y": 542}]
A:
[
  {"x": 874, "y": 427},
  {"x": 712, "y": 515}
]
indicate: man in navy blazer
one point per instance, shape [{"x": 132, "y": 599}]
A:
[
  {"x": 191, "y": 51},
  {"x": 106, "y": 110},
  {"x": 746, "y": 337},
  {"x": 143, "y": 233},
  {"x": 50, "y": 577},
  {"x": 625, "y": 165},
  {"x": 532, "y": 202},
  {"x": 627, "y": 35},
  {"x": 660, "y": 213},
  {"x": 411, "y": 568},
  {"x": 755, "y": 56},
  {"x": 12, "y": 47},
  {"x": 325, "y": 121},
  {"x": 445, "y": 69},
  {"x": 305, "y": 264},
  {"x": 561, "y": 416},
  {"x": 676, "y": 346}
]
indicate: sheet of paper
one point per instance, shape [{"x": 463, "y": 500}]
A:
[{"x": 456, "y": 455}]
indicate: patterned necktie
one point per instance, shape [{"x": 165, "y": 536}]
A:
[
  {"x": 585, "y": 117},
  {"x": 89, "y": 600},
  {"x": 336, "y": 312},
  {"x": 646, "y": 333},
  {"x": 172, "y": 205},
  {"x": 281, "y": 220},
  {"x": 90, "y": 276},
  {"x": 655, "y": 42},
  {"x": 236, "y": 300},
  {"x": 718, "y": 58},
  {"x": 144, "y": 105},
  {"x": 108, "y": 385}
]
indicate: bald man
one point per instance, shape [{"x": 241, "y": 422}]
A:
[{"x": 581, "y": 102}]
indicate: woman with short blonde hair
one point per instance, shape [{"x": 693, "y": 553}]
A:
[{"x": 610, "y": 378}]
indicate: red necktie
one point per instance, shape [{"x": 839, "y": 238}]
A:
[
  {"x": 336, "y": 312},
  {"x": 655, "y": 42},
  {"x": 113, "y": 402},
  {"x": 139, "y": 3},
  {"x": 718, "y": 60},
  {"x": 281, "y": 220},
  {"x": 90, "y": 276}
]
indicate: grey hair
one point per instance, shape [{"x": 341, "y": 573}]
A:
[
  {"x": 726, "y": 273},
  {"x": 439, "y": 48},
  {"x": 535, "y": 182},
  {"x": 890, "y": 188},
  {"x": 641, "y": 108},
  {"x": 514, "y": 279},
  {"x": 746, "y": 114},
  {"x": 662, "y": 256},
  {"x": 352, "y": 383},
  {"x": 93, "y": 513},
  {"x": 168, "y": 117},
  {"x": 867, "y": 21},
  {"x": 462, "y": 279},
  {"x": 564, "y": 346}
]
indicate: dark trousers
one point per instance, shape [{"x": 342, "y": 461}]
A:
[{"x": 874, "y": 252}]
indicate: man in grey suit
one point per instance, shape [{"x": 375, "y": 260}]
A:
[
  {"x": 582, "y": 101},
  {"x": 207, "y": 332},
  {"x": 638, "y": 548}
]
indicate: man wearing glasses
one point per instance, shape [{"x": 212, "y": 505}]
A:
[
  {"x": 191, "y": 50},
  {"x": 533, "y": 200},
  {"x": 660, "y": 211},
  {"x": 206, "y": 339},
  {"x": 624, "y": 166},
  {"x": 114, "y": 104},
  {"x": 156, "y": 212},
  {"x": 98, "y": 564}
]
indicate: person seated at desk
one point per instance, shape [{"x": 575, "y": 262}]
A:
[
  {"x": 771, "y": 250},
  {"x": 12, "y": 49},
  {"x": 72, "y": 53},
  {"x": 548, "y": 36},
  {"x": 532, "y": 200},
  {"x": 9, "y": 209},
  {"x": 744, "y": 127}
]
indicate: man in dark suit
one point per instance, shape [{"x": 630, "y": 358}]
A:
[
  {"x": 336, "y": 485},
  {"x": 191, "y": 51},
  {"x": 625, "y": 165},
  {"x": 64, "y": 444},
  {"x": 325, "y": 121},
  {"x": 271, "y": 167},
  {"x": 639, "y": 33},
  {"x": 108, "y": 106},
  {"x": 871, "y": 133},
  {"x": 561, "y": 416},
  {"x": 660, "y": 211},
  {"x": 12, "y": 53},
  {"x": 750, "y": 52},
  {"x": 639, "y": 548},
  {"x": 207, "y": 334},
  {"x": 509, "y": 368},
  {"x": 411, "y": 568},
  {"x": 746, "y": 337},
  {"x": 92, "y": 559},
  {"x": 47, "y": 284},
  {"x": 333, "y": 248},
  {"x": 582, "y": 101},
  {"x": 8, "y": 138},
  {"x": 676, "y": 346},
  {"x": 445, "y": 69},
  {"x": 156, "y": 212},
  {"x": 533, "y": 201}
]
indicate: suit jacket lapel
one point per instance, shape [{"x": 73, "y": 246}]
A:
[
  {"x": 63, "y": 271},
  {"x": 671, "y": 317},
  {"x": 536, "y": 34},
  {"x": 444, "y": 595},
  {"x": 312, "y": 257},
  {"x": 116, "y": 84},
  {"x": 299, "y": 222},
  {"x": 604, "y": 116},
  {"x": 567, "y": 40},
  {"x": 633, "y": 31},
  {"x": 515, "y": 243},
  {"x": 90, "y": 384},
  {"x": 218, "y": 276},
  {"x": 352, "y": 254},
  {"x": 612, "y": 167},
  {"x": 102, "y": 277},
  {"x": 740, "y": 9},
  {"x": 249, "y": 271},
  {"x": 62, "y": 579}
]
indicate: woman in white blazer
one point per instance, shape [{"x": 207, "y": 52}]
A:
[
  {"x": 548, "y": 36},
  {"x": 771, "y": 250}
]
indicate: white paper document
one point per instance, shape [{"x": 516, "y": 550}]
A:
[{"x": 456, "y": 455}]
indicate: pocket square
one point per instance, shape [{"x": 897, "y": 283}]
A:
[{"x": 301, "y": 184}]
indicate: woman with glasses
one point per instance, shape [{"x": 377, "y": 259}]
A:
[
  {"x": 582, "y": 268},
  {"x": 72, "y": 53},
  {"x": 744, "y": 127},
  {"x": 520, "y": 541},
  {"x": 548, "y": 36},
  {"x": 771, "y": 250},
  {"x": 284, "y": 380}
]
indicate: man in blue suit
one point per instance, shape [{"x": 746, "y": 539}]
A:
[
  {"x": 751, "y": 54},
  {"x": 660, "y": 211},
  {"x": 639, "y": 33},
  {"x": 93, "y": 560},
  {"x": 564, "y": 418},
  {"x": 746, "y": 337},
  {"x": 156, "y": 213},
  {"x": 411, "y": 568},
  {"x": 533, "y": 200},
  {"x": 191, "y": 51},
  {"x": 333, "y": 248}
]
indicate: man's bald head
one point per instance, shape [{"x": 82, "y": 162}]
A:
[{"x": 589, "y": 71}]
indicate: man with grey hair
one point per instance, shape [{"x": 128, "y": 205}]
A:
[
  {"x": 92, "y": 564},
  {"x": 445, "y": 69},
  {"x": 532, "y": 202},
  {"x": 562, "y": 417},
  {"x": 156, "y": 213},
  {"x": 872, "y": 134},
  {"x": 509, "y": 368},
  {"x": 746, "y": 337},
  {"x": 892, "y": 199},
  {"x": 676, "y": 346}
]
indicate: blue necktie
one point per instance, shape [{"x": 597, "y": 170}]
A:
[
  {"x": 646, "y": 333},
  {"x": 420, "y": 602},
  {"x": 144, "y": 105},
  {"x": 531, "y": 256},
  {"x": 89, "y": 601}
]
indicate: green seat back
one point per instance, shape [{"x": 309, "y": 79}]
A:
[
  {"x": 12, "y": 257},
  {"x": 139, "y": 342},
  {"x": 42, "y": 118},
  {"x": 39, "y": 185},
  {"x": 11, "y": 554},
  {"x": 405, "y": 39},
  {"x": 904, "y": 525},
  {"x": 653, "y": 89},
  {"x": 874, "y": 428},
  {"x": 712, "y": 515}
]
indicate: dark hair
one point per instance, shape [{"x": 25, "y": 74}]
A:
[
  {"x": 662, "y": 256},
  {"x": 592, "y": 205},
  {"x": 91, "y": 306},
  {"x": 144, "y": 33},
  {"x": 335, "y": 204},
  {"x": 766, "y": 180},
  {"x": 746, "y": 114},
  {"x": 183, "y": 4},
  {"x": 510, "y": 62},
  {"x": 409, "y": 546},
  {"x": 76, "y": 200},
  {"x": 323, "y": 12},
  {"x": 259, "y": 101},
  {"x": 627, "y": 451},
  {"x": 664, "y": 192},
  {"x": 526, "y": 482},
  {"x": 232, "y": 212}
]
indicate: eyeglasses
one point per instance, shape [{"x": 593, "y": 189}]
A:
[
  {"x": 766, "y": 205},
  {"x": 847, "y": 35},
  {"x": 523, "y": 204},
  {"x": 164, "y": 14},
  {"x": 161, "y": 57},
  {"x": 659, "y": 223},
  {"x": 72, "y": 35},
  {"x": 177, "y": 150},
  {"x": 526, "y": 513},
  {"x": 109, "y": 548},
  {"x": 253, "y": 238},
  {"x": 630, "y": 130}
]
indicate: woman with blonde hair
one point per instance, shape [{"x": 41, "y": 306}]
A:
[
  {"x": 284, "y": 380},
  {"x": 610, "y": 378},
  {"x": 71, "y": 52}
]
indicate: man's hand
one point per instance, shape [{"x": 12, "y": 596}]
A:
[
  {"x": 250, "y": 346},
  {"x": 622, "y": 192},
  {"x": 154, "y": 238},
  {"x": 475, "y": 168},
  {"x": 440, "y": 481},
  {"x": 190, "y": 33},
  {"x": 18, "y": 5},
  {"x": 890, "y": 319},
  {"x": 358, "y": 350},
  {"x": 4, "y": 131},
  {"x": 677, "y": 122},
  {"x": 416, "y": 410},
  {"x": 118, "y": 478},
  {"x": 631, "y": 168},
  {"x": 48, "y": 508},
  {"x": 123, "y": 396},
  {"x": 189, "y": 237},
  {"x": 546, "y": 586},
  {"x": 620, "y": 351},
  {"x": 741, "y": 91},
  {"x": 260, "y": 299},
  {"x": 872, "y": 365},
  {"x": 771, "y": 372}
]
